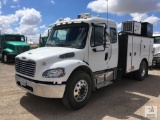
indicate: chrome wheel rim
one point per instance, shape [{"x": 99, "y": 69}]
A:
[
  {"x": 80, "y": 90},
  {"x": 5, "y": 58},
  {"x": 143, "y": 72}
]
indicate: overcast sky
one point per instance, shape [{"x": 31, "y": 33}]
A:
[{"x": 32, "y": 17}]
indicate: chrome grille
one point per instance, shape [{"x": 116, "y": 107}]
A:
[
  {"x": 21, "y": 49},
  {"x": 25, "y": 67}
]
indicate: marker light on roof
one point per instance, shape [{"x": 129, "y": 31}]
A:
[{"x": 84, "y": 16}]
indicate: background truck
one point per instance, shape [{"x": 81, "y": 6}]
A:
[
  {"x": 156, "y": 47},
  {"x": 43, "y": 39},
  {"x": 79, "y": 59},
  {"x": 12, "y": 45}
]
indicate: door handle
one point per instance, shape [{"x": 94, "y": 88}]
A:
[
  {"x": 130, "y": 54},
  {"x": 94, "y": 49},
  {"x": 106, "y": 56},
  {"x": 134, "y": 53}
]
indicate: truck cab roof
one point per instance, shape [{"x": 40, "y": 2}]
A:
[
  {"x": 86, "y": 20},
  {"x": 156, "y": 34},
  {"x": 11, "y": 35}
]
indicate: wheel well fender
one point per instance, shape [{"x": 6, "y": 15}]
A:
[
  {"x": 6, "y": 51},
  {"x": 144, "y": 59},
  {"x": 87, "y": 70},
  {"x": 70, "y": 67}
]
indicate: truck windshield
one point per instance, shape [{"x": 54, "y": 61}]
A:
[
  {"x": 14, "y": 38},
  {"x": 157, "y": 40},
  {"x": 70, "y": 35}
]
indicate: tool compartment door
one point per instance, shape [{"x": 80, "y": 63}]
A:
[
  {"x": 150, "y": 58},
  {"x": 145, "y": 45},
  {"x": 129, "y": 54},
  {"x": 136, "y": 59},
  {"x": 133, "y": 55}
]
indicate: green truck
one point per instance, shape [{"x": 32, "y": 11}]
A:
[
  {"x": 43, "y": 41},
  {"x": 12, "y": 45}
]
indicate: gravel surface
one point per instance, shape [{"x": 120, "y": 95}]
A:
[{"x": 125, "y": 99}]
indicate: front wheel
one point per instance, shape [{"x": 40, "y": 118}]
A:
[
  {"x": 78, "y": 90},
  {"x": 142, "y": 73},
  {"x": 5, "y": 58}
]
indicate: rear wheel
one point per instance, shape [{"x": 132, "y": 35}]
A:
[
  {"x": 142, "y": 73},
  {"x": 78, "y": 90}
]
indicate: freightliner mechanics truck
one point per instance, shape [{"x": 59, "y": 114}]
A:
[{"x": 79, "y": 58}]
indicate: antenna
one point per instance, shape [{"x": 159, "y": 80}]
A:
[
  {"x": 107, "y": 9},
  {"x": 107, "y": 13}
]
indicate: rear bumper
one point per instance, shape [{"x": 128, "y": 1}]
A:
[{"x": 39, "y": 89}]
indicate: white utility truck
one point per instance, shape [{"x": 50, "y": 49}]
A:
[
  {"x": 156, "y": 47},
  {"x": 77, "y": 59}
]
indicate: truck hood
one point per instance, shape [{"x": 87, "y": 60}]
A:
[
  {"x": 17, "y": 43},
  {"x": 50, "y": 54},
  {"x": 156, "y": 48}
]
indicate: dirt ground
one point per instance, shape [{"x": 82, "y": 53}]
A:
[{"x": 125, "y": 99}]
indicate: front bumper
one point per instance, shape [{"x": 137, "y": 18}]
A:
[
  {"x": 47, "y": 90},
  {"x": 11, "y": 57},
  {"x": 156, "y": 60}
]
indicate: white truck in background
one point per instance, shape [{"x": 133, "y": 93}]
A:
[
  {"x": 77, "y": 59},
  {"x": 156, "y": 47}
]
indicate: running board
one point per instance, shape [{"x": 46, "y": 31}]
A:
[
  {"x": 103, "y": 84},
  {"x": 104, "y": 79}
]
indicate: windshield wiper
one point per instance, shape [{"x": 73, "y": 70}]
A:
[
  {"x": 48, "y": 45},
  {"x": 60, "y": 45}
]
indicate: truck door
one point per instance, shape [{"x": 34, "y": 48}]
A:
[
  {"x": 113, "y": 48},
  {"x": 98, "y": 53}
]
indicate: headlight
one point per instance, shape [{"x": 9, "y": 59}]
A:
[
  {"x": 11, "y": 53},
  {"x": 154, "y": 49},
  {"x": 54, "y": 73}
]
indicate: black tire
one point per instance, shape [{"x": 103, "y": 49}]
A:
[
  {"x": 142, "y": 73},
  {"x": 79, "y": 81},
  {"x": 5, "y": 58}
]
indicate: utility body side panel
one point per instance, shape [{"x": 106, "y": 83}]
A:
[
  {"x": 134, "y": 49},
  {"x": 134, "y": 57}
]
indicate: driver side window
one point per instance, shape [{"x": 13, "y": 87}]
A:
[
  {"x": 97, "y": 36},
  {"x": 113, "y": 35}
]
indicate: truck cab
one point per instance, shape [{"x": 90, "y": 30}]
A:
[
  {"x": 156, "y": 46},
  {"x": 80, "y": 56},
  {"x": 12, "y": 45}
]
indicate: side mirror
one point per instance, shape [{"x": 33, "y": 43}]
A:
[
  {"x": 108, "y": 44},
  {"x": 107, "y": 40},
  {"x": 49, "y": 31}
]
